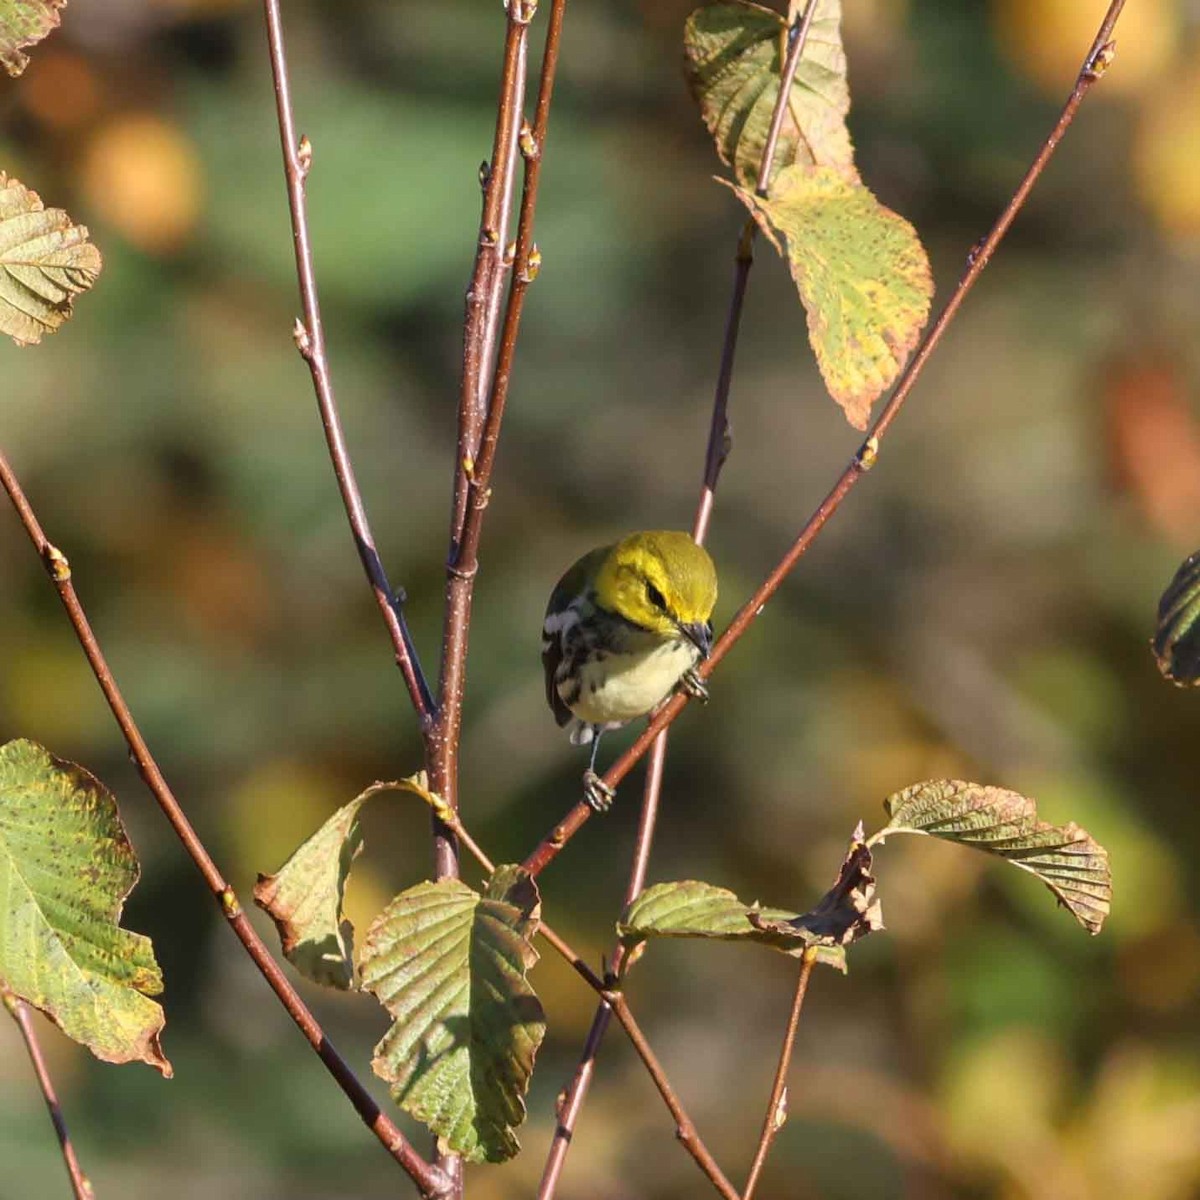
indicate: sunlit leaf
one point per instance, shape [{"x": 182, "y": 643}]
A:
[
  {"x": 734, "y": 55},
  {"x": 305, "y": 896},
  {"x": 1066, "y": 858},
  {"x": 862, "y": 275},
  {"x": 450, "y": 966},
  {"x": 66, "y": 867},
  {"x": 692, "y": 909},
  {"x": 45, "y": 262},
  {"x": 24, "y": 23},
  {"x": 1177, "y": 642}
]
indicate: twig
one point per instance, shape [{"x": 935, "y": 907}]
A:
[
  {"x": 715, "y": 456},
  {"x": 430, "y": 1180},
  {"x": 310, "y": 341},
  {"x": 80, "y": 1184},
  {"x": 778, "y": 1104},
  {"x": 1094, "y": 66}
]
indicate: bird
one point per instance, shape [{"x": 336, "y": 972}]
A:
[{"x": 625, "y": 626}]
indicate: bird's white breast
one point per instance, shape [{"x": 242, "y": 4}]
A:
[{"x": 624, "y": 686}]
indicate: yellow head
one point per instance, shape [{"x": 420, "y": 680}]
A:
[{"x": 661, "y": 581}]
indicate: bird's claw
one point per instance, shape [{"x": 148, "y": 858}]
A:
[
  {"x": 695, "y": 687},
  {"x": 597, "y": 795}
]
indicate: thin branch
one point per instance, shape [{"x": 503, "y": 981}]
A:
[
  {"x": 80, "y": 1184},
  {"x": 430, "y": 1180},
  {"x": 778, "y": 1104},
  {"x": 310, "y": 341},
  {"x": 1095, "y": 64}
]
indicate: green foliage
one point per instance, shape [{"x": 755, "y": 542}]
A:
[
  {"x": 66, "y": 868},
  {"x": 1177, "y": 640},
  {"x": 450, "y": 966},
  {"x": 691, "y": 909},
  {"x": 1066, "y": 858},
  {"x": 45, "y": 262},
  {"x": 734, "y": 55},
  {"x": 24, "y": 23},
  {"x": 861, "y": 273}
]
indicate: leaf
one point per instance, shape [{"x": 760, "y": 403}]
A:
[
  {"x": 862, "y": 275},
  {"x": 1177, "y": 642},
  {"x": 305, "y": 896},
  {"x": 450, "y": 966},
  {"x": 847, "y": 912},
  {"x": 734, "y": 56},
  {"x": 24, "y": 23},
  {"x": 45, "y": 262},
  {"x": 693, "y": 909},
  {"x": 66, "y": 868},
  {"x": 1064, "y": 857}
]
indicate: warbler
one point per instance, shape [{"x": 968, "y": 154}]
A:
[{"x": 624, "y": 627}]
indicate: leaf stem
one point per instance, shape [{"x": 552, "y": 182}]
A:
[
  {"x": 431, "y": 1181},
  {"x": 1097, "y": 61},
  {"x": 80, "y": 1184},
  {"x": 310, "y": 341},
  {"x": 776, "y": 1113}
]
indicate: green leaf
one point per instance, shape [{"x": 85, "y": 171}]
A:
[
  {"x": 1064, "y": 857},
  {"x": 862, "y": 275},
  {"x": 305, "y": 896},
  {"x": 450, "y": 966},
  {"x": 1177, "y": 641},
  {"x": 691, "y": 908},
  {"x": 45, "y": 262},
  {"x": 23, "y": 23},
  {"x": 734, "y": 56},
  {"x": 66, "y": 867}
]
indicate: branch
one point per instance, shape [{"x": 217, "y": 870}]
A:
[
  {"x": 777, "y": 1106},
  {"x": 310, "y": 341},
  {"x": 716, "y": 453},
  {"x": 430, "y": 1180},
  {"x": 1097, "y": 61},
  {"x": 80, "y": 1184}
]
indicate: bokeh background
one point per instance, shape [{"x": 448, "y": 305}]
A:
[{"x": 980, "y": 608}]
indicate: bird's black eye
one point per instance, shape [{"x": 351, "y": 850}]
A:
[{"x": 655, "y": 596}]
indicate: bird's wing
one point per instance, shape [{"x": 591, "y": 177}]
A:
[{"x": 562, "y": 615}]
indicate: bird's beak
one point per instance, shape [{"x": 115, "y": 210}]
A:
[{"x": 700, "y": 635}]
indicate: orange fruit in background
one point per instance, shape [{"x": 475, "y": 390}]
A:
[
  {"x": 1046, "y": 40},
  {"x": 142, "y": 175},
  {"x": 1166, "y": 155}
]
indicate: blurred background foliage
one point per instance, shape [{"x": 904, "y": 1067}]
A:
[{"x": 980, "y": 608}]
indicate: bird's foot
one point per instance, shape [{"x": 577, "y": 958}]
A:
[
  {"x": 695, "y": 687},
  {"x": 597, "y": 795}
]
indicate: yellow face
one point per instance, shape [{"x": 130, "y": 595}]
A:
[{"x": 659, "y": 580}]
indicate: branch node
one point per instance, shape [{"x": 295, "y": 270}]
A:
[
  {"x": 1100, "y": 61},
  {"x": 868, "y": 454},
  {"x": 230, "y": 905},
  {"x": 489, "y": 238},
  {"x": 528, "y": 143},
  {"x": 510, "y": 253},
  {"x": 55, "y": 561},
  {"x": 303, "y": 339},
  {"x": 465, "y": 573},
  {"x": 532, "y": 267},
  {"x": 304, "y": 156}
]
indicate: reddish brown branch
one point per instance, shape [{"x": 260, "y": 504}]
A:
[
  {"x": 1094, "y": 66},
  {"x": 310, "y": 341},
  {"x": 80, "y": 1184},
  {"x": 430, "y": 1180},
  {"x": 777, "y": 1104}
]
